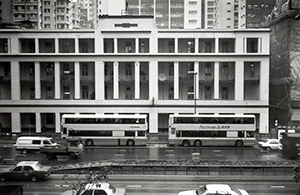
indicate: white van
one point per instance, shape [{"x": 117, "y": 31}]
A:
[{"x": 33, "y": 143}]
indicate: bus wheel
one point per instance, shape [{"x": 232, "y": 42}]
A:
[
  {"x": 186, "y": 143},
  {"x": 130, "y": 142},
  {"x": 197, "y": 143},
  {"x": 89, "y": 142},
  {"x": 239, "y": 143}
]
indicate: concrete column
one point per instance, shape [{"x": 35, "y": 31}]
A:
[
  {"x": 196, "y": 71},
  {"x": 176, "y": 45},
  {"x": 137, "y": 45},
  {"x": 38, "y": 122},
  {"x": 57, "y": 80},
  {"x": 56, "y": 45},
  {"x": 15, "y": 81},
  {"x": 137, "y": 80},
  {"x": 36, "y": 42},
  {"x": 115, "y": 45},
  {"x": 15, "y": 122},
  {"x": 116, "y": 80},
  {"x": 176, "y": 80},
  {"x": 216, "y": 80},
  {"x": 239, "y": 80},
  {"x": 153, "y": 80},
  {"x": 57, "y": 123},
  {"x": 217, "y": 45},
  {"x": 37, "y": 80},
  {"x": 76, "y": 45},
  {"x": 153, "y": 122},
  {"x": 99, "y": 80},
  {"x": 196, "y": 45},
  {"x": 264, "y": 83},
  {"x": 77, "y": 80}
]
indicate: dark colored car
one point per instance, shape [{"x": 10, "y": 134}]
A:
[{"x": 25, "y": 170}]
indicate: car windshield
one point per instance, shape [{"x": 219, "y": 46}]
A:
[
  {"x": 37, "y": 166},
  {"x": 201, "y": 190},
  {"x": 113, "y": 189}
]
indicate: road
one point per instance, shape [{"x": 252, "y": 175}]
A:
[
  {"x": 166, "y": 185},
  {"x": 153, "y": 153}
]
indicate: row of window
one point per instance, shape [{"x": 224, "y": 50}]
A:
[{"x": 166, "y": 45}]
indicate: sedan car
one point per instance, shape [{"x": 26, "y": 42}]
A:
[
  {"x": 214, "y": 189},
  {"x": 25, "y": 170},
  {"x": 97, "y": 189},
  {"x": 270, "y": 144}
]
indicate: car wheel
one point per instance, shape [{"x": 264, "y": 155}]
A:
[
  {"x": 2, "y": 178},
  {"x": 89, "y": 142},
  {"x": 50, "y": 155},
  {"x": 197, "y": 143},
  {"x": 186, "y": 143},
  {"x": 34, "y": 178},
  {"x": 72, "y": 155}
]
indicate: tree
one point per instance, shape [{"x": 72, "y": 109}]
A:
[{"x": 82, "y": 178}]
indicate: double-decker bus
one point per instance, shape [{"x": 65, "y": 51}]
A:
[
  {"x": 212, "y": 130},
  {"x": 101, "y": 129}
]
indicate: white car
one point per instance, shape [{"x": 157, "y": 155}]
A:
[
  {"x": 214, "y": 189},
  {"x": 270, "y": 144},
  {"x": 98, "y": 189}
]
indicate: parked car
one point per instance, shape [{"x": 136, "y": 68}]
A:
[
  {"x": 214, "y": 189},
  {"x": 98, "y": 188},
  {"x": 270, "y": 144},
  {"x": 25, "y": 170}
]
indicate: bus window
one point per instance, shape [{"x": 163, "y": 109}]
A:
[
  {"x": 129, "y": 133},
  {"x": 141, "y": 133}
]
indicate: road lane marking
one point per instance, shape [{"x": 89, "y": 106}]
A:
[
  {"x": 119, "y": 154},
  {"x": 277, "y": 187},
  {"x": 134, "y": 186},
  {"x": 217, "y": 151},
  {"x": 170, "y": 155}
]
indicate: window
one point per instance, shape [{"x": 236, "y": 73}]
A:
[
  {"x": 252, "y": 45},
  {"x": 224, "y": 70},
  {"x": 207, "y": 70},
  {"x": 38, "y": 142},
  {"x": 224, "y": 93},
  {"x": 171, "y": 69},
  {"x": 128, "y": 93},
  {"x": 192, "y": 2},
  {"x": 128, "y": 48},
  {"x": 66, "y": 92},
  {"x": 171, "y": 92},
  {"x": 49, "y": 92},
  {"x": 128, "y": 70},
  {"x": 19, "y": 168},
  {"x": 49, "y": 69},
  {"x": 108, "y": 45},
  {"x": 85, "y": 70},
  {"x": 252, "y": 70},
  {"x": 207, "y": 92},
  {"x": 32, "y": 92},
  {"x": 190, "y": 93},
  {"x": 227, "y": 45},
  {"x": 85, "y": 92},
  {"x": 28, "y": 168}
]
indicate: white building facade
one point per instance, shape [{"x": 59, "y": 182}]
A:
[{"x": 128, "y": 66}]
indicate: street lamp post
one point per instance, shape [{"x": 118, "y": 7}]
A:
[{"x": 195, "y": 97}]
